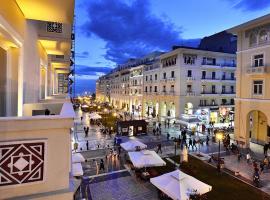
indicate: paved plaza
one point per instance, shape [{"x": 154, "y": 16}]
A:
[{"x": 126, "y": 186}]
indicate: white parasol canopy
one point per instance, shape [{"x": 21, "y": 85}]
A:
[
  {"x": 179, "y": 185},
  {"x": 77, "y": 158},
  {"x": 77, "y": 169},
  {"x": 132, "y": 144},
  {"x": 145, "y": 158},
  {"x": 94, "y": 115}
]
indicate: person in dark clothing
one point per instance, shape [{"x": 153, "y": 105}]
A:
[
  {"x": 207, "y": 140},
  {"x": 194, "y": 143},
  {"x": 154, "y": 131},
  {"x": 47, "y": 111},
  {"x": 87, "y": 145},
  {"x": 101, "y": 165},
  {"x": 168, "y": 136},
  {"x": 190, "y": 143},
  {"x": 265, "y": 148},
  {"x": 159, "y": 148}
]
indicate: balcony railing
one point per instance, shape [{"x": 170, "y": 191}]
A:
[
  {"x": 190, "y": 78},
  {"x": 258, "y": 70},
  {"x": 208, "y": 105},
  {"x": 219, "y": 64},
  {"x": 190, "y": 93}
]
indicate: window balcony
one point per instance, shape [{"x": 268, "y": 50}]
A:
[
  {"x": 190, "y": 93},
  {"x": 229, "y": 66},
  {"x": 258, "y": 70},
  {"x": 190, "y": 79},
  {"x": 227, "y": 93},
  {"x": 44, "y": 136},
  {"x": 228, "y": 80},
  {"x": 171, "y": 79},
  {"x": 209, "y": 94},
  {"x": 210, "y": 79},
  {"x": 208, "y": 105}
]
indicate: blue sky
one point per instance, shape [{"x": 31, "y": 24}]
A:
[{"x": 108, "y": 32}]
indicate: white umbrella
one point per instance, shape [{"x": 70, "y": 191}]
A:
[
  {"x": 131, "y": 145},
  {"x": 77, "y": 169},
  {"x": 94, "y": 115},
  {"x": 179, "y": 185},
  {"x": 145, "y": 158},
  {"x": 77, "y": 158}
]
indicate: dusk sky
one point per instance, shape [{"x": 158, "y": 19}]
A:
[{"x": 108, "y": 32}]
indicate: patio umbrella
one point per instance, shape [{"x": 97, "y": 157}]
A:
[
  {"x": 146, "y": 158},
  {"x": 77, "y": 169},
  {"x": 179, "y": 186},
  {"x": 131, "y": 145},
  {"x": 94, "y": 115}
]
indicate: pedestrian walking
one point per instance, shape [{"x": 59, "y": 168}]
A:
[
  {"x": 87, "y": 145},
  {"x": 159, "y": 148},
  {"x": 194, "y": 143},
  {"x": 81, "y": 119},
  {"x": 168, "y": 136},
  {"x": 101, "y": 165},
  {"x": 190, "y": 143},
  {"x": 265, "y": 148},
  {"x": 154, "y": 131},
  {"x": 207, "y": 140}
]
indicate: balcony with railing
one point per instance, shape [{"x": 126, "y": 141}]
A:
[
  {"x": 190, "y": 93},
  {"x": 43, "y": 135},
  {"x": 209, "y": 93},
  {"x": 210, "y": 79},
  {"x": 227, "y": 93},
  {"x": 208, "y": 105},
  {"x": 258, "y": 70},
  {"x": 208, "y": 65},
  {"x": 190, "y": 78},
  {"x": 228, "y": 80}
]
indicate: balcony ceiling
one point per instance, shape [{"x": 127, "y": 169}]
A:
[
  {"x": 56, "y": 47},
  {"x": 48, "y": 10}
]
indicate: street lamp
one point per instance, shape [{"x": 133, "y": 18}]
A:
[{"x": 219, "y": 137}]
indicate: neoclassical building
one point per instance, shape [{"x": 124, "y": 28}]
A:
[
  {"x": 252, "y": 103},
  {"x": 183, "y": 83}
]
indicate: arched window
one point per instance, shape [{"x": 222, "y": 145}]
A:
[
  {"x": 263, "y": 37},
  {"x": 252, "y": 39}
]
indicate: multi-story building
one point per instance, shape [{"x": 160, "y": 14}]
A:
[
  {"x": 184, "y": 82},
  {"x": 252, "y": 105},
  {"x": 125, "y": 85},
  {"x": 35, "y": 50}
]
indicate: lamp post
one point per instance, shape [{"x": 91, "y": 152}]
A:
[{"x": 219, "y": 137}]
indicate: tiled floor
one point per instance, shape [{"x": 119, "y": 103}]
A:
[{"x": 122, "y": 188}]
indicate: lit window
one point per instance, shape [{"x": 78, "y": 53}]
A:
[{"x": 257, "y": 87}]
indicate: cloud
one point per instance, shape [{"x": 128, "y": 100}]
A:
[
  {"x": 84, "y": 54},
  {"x": 250, "y": 5},
  {"x": 129, "y": 30},
  {"x": 90, "y": 70}
]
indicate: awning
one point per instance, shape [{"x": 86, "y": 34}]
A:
[
  {"x": 146, "y": 158},
  {"x": 77, "y": 169},
  {"x": 131, "y": 145},
  {"x": 179, "y": 185}
]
